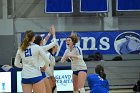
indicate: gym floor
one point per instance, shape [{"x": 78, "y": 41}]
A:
[{"x": 120, "y": 91}]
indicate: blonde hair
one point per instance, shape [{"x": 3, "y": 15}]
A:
[
  {"x": 74, "y": 38},
  {"x": 27, "y": 38}
]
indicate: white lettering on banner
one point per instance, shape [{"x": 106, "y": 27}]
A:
[
  {"x": 104, "y": 41},
  {"x": 85, "y": 43},
  {"x": 89, "y": 43},
  {"x": 60, "y": 46}
]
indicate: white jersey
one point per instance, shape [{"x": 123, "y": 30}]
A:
[
  {"x": 76, "y": 64},
  {"x": 30, "y": 60},
  {"x": 50, "y": 69},
  {"x": 46, "y": 48},
  {"x": 50, "y": 45}
]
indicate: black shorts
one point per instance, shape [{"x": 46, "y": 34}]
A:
[{"x": 76, "y": 72}]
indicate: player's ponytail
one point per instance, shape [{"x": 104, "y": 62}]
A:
[
  {"x": 100, "y": 70},
  {"x": 27, "y": 38},
  {"x": 102, "y": 74},
  {"x": 74, "y": 38}
]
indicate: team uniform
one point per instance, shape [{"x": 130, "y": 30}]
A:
[
  {"x": 50, "y": 45},
  {"x": 76, "y": 64},
  {"x": 97, "y": 84},
  {"x": 50, "y": 69},
  {"x": 31, "y": 63},
  {"x": 49, "y": 72},
  {"x": 46, "y": 48}
]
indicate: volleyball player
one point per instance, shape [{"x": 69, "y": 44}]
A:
[
  {"x": 50, "y": 68},
  {"x": 97, "y": 82},
  {"x": 31, "y": 75},
  {"x": 74, "y": 53},
  {"x": 38, "y": 40}
]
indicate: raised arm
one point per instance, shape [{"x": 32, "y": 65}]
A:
[
  {"x": 54, "y": 41},
  {"x": 64, "y": 57},
  {"x": 51, "y": 32},
  {"x": 44, "y": 55},
  {"x": 46, "y": 38}
]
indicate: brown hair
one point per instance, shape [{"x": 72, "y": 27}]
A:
[
  {"x": 37, "y": 40},
  {"x": 74, "y": 38},
  {"x": 100, "y": 70},
  {"x": 28, "y": 35}
]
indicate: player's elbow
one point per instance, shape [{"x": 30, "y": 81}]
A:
[{"x": 17, "y": 65}]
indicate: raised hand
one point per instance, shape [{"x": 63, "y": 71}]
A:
[{"x": 52, "y": 30}]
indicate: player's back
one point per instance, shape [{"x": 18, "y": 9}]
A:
[
  {"x": 97, "y": 84},
  {"x": 30, "y": 61}
]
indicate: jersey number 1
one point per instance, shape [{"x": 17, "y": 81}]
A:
[{"x": 28, "y": 52}]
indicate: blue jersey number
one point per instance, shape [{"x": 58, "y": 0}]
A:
[{"x": 28, "y": 52}]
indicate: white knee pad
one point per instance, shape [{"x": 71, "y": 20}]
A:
[
  {"x": 82, "y": 90},
  {"x": 75, "y": 91}
]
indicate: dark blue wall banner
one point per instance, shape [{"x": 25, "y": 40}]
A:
[
  {"x": 128, "y": 5},
  {"x": 58, "y": 6},
  {"x": 105, "y": 42},
  {"x": 93, "y": 6}
]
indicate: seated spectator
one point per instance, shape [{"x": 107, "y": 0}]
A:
[
  {"x": 97, "y": 82},
  {"x": 88, "y": 58},
  {"x": 95, "y": 57},
  {"x": 98, "y": 56},
  {"x": 117, "y": 58}
]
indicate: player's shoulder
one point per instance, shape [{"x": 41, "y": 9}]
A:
[
  {"x": 35, "y": 46},
  {"x": 67, "y": 49},
  {"x": 48, "y": 53},
  {"x": 76, "y": 47},
  {"x": 92, "y": 75}
]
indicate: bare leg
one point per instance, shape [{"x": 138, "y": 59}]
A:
[
  {"x": 27, "y": 88},
  {"x": 75, "y": 82},
  {"x": 81, "y": 81},
  {"x": 39, "y": 87},
  {"x": 51, "y": 83},
  {"x": 48, "y": 85}
]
